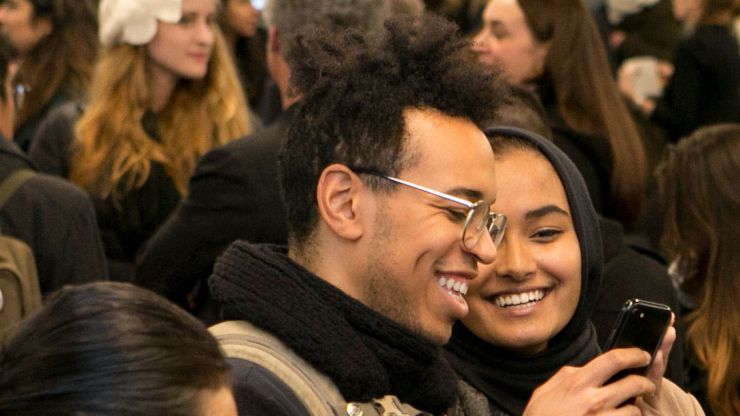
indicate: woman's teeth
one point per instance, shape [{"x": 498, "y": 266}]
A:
[{"x": 519, "y": 298}]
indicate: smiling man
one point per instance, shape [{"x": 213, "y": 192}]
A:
[{"x": 387, "y": 181}]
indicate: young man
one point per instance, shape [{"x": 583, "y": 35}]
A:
[
  {"x": 234, "y": 192},
  {"x": 387, "y": 181}
]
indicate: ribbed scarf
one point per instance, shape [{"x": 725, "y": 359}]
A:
[{"x": 364, "y": 353}]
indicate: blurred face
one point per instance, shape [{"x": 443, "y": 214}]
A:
[
  {"x": 417, "y": 267},
  {"x": 241, "y": 18},
  {"x": 218, "y": 402},
  {"x": 531, "y": 291},
  {"x": 687, "y": 11},
  {"x": 183, "y": 49},
  {"x": 506, "y": 41},
  {"x": 18, "y": 22}
]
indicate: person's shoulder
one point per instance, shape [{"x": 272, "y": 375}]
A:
[
  {"x": 57, "y": 194},
  {"x": 258, "y": 391}
]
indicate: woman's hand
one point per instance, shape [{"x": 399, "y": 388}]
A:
[{"x": 581, "y": 391}]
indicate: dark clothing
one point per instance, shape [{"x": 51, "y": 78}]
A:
[
  {"x": 55, "y": 219},
  {"x": 592, "y": 157},
  {"x": 653, "y": 31},
  {"x": 630, "y": 274},
  {"x": 260, "y": 392},
  {"x": 126, "y": 224},
  {"x": 26, "y": 132},
  {"x": 506, "y": 378},
  {"x": 705, "y": 86},
  {"x": 365, "y": 354},
  {"x": 233, "y": 194}
]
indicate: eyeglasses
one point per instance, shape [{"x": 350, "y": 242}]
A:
[{"x": 477, "y": 221}]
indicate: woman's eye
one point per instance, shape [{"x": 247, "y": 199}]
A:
[{"x": 547, "y": 234}]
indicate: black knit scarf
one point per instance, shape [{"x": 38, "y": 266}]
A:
[{"x": 366, "y": 354}]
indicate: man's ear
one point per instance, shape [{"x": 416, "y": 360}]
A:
[{"x": 339, "y": 193}]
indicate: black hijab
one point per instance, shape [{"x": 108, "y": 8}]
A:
[{"x": 504, "y": 377}]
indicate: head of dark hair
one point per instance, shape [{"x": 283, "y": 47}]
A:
[
  {"x": 109, "y": 348},
  {"x": 7, "y": 56},
  {"x": 62, "y": 61},
  {"x": 700, "y": 202},
  {"x": 523, "y": 110},
  {"x": 355, "y": 89}
]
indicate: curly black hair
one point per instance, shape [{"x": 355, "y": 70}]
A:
[{"x": 354, "y": 90}]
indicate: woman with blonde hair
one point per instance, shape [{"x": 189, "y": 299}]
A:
[
  {"x": 164, "y": 92},
  {"x": 699, "y": 193}
]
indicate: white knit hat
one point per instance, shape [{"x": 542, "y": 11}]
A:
[{"x": 134, "y": 21}]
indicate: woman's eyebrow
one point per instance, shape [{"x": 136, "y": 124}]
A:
[{"x": 546, "y": 210}]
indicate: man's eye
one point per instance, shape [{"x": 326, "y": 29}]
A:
[{"x": 457, "y": 216}]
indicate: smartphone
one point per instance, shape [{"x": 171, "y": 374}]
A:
[{"x": 640, "y": 324}]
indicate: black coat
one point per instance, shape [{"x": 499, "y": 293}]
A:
[
  {"x": 705, "y": 86},
  {"x": 126, "y": 224},
  {"x": 233, "y": 194},
  {"x": 56, "y": 219}
]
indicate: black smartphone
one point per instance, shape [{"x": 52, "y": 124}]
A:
[{"x": 640, "y": 324}]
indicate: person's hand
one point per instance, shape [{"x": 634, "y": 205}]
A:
[
  {"x": 649, "y": 403},
  {"x": 616, "y": 38},
  {"x": 580, "y": 391}
]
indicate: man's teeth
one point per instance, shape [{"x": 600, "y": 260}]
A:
[
  {"x": 452, "y": 284},
  {"x": 520, "y": 298}
]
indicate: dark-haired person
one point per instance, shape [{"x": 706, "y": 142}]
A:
[
  {"x": 699, "y": 198},
  {"x": 529, "y": 326},
  {"x": 234, "y": 192},
  {"x": 57, "y": 45},
  {"x": 53, "y": 217},
  {"x": 113, "y": 349},
  {"x": 555, "y": 48}
]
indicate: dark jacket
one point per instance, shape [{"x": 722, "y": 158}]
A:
[
  {"x": 233, "y": 194},
  {"x": 705, "y": 86},
  {"x": 26, "y": 132},
  {"x": 124, "y": 225},
  {"x": 56, "y": 219}
]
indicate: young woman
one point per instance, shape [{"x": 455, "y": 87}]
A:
[
  {"x": 705, "y": 86},
  {"x": 57, "y": 46},
  {"x": 240, "y": 23},
  {"x": 555, "y": 48},
  {"x": 699, "y": 193},
  {"x": 528, "y": 326},
  {"x": 164, "y": 92},
  {"x": 113, "y": 349}
]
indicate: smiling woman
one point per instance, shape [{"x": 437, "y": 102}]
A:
[
  {"x": 164, "y": 92},
  {"x": 530, "y": 308}
]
